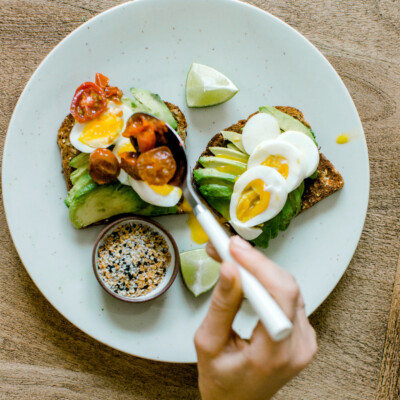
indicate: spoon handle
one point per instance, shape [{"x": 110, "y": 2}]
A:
[{"x": 271, "y": 315}]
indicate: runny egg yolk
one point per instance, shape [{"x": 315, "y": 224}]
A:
[
  {"x": 127, "y": 147},
  {"x": 162, "y": 189},
  {"x": 105, "y": 128},
  {"x": 253, "y": 201},
  {"x": 197, "y": 233},
  {"x": 279, "y": 163}
]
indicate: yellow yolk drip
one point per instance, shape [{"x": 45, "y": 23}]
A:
[
  {"x": 342, "y": 139},
  {"x": 186, "y": 206},
  {"x": 279, "y": 163},
  {"x": 126, "y": 148},
  {"x": 196, "y": 231},
  {"x": 105, "y": 128},
  {"x": 253, "y": 201},
  {"x": 230, "y": 169},
  {"x": 162, "y": 189}
]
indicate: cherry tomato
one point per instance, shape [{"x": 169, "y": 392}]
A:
[
  {"x": 111, "y": 92},
  {"x": 89, "y": 102},
  {"x": 156, "y": 166},
  {"x": 144, "y": 132},
  {"x": 129, "y": 164},
  {"x": 103, "y": 166}
]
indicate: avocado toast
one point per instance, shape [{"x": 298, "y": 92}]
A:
[
  {"x": 91, "y": 203},
  {"x": 215, "y": 176}
]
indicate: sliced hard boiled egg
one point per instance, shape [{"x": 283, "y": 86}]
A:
[
  {"x": 158, "y": 195},
  {"x": 307, "y": 147},
  {"x": 246, "y": 233},
  {"x": 102, "y": 131},
  {"x": 259, "y": 128},
  {"x": 283, "y": 157},
  {"x": 258, "y": 195},
  {"x": 123, "y": 145}
]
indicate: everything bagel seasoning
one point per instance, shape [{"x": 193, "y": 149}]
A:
[{"x": 133, "y": 259}]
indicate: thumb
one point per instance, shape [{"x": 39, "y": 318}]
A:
[{"x": 215, "y": 331}]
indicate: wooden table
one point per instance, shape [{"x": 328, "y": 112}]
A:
[{"x": 42, "y": 356}]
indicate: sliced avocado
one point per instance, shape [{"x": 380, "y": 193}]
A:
[
  {"x": 233, "y": 147},
  {"x": 220, "y": 205},
  {"x": 223, "y": 165},
  {"x": 206, "y": 176},
  {"x": 216, "y": 191},
  {"x": 231, "y": 154},
  {"x": 80, "y": 160},
  {"x": 135, "y": 105},
  {"x": 235, "y": 138},
  {"x": 287, "y": 122},
  {"x": 94, "y": 203},
  {"x": 83, "y": 180},
  {"x": 78, "y": 173},
  {"x": 155, "y": 104},
  {"x": 151, "y": 211}
]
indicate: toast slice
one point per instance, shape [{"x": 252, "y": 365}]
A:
[
  {"x": 68, "y": 151},
  {"x": 327, "y": 182}
]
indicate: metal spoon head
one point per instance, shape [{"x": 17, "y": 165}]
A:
[{"x": 175, "y": 144}]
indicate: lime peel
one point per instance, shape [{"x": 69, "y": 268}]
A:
[{"x": 199, "y": 271}]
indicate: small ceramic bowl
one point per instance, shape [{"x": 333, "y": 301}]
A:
[{"x": 172, "y": 268}]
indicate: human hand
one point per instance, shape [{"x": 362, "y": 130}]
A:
[{"x": 233, "y": 368}]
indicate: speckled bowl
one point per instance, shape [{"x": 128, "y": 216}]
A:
[{"x": 172, "y": 270}]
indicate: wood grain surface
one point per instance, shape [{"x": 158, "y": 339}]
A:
[{"x": 43, "y": 356}]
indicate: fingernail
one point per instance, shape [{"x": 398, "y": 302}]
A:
[
  {"x": 238, "y": 242},
  {"x": 225, "y": 277}
]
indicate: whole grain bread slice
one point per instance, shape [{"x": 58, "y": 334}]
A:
[
  {"x": 68, "y": 151},
  {"x": 328, "y": 181}
]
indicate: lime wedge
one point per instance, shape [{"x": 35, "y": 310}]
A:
[
  {"x": 200, "y": 272},
  {"x": 205, "y": 86}
]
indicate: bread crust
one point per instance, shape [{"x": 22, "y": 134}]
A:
[{"x": 328, "y": 181}]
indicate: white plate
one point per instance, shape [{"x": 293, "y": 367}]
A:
[{"x": 151, "y": 44}]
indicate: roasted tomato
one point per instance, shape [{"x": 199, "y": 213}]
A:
[
  {"x": 144, "y": 131},
  {"x": 103, "y": 166},
  {"x": 111, "y": 92},
  {"x": 129, "y": 164},
  {"x": 89, "y": 101},
  {"x": 156, "y": 166}
]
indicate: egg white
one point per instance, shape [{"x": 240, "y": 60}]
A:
[
  {"x": 245, "y": 232},
  {"x": 274, "y": 183},
  {"x": 78, "y": 129},
  {"x": 122, "y": 145},
  {"x": 281, "y": 148},
  {"x": 147, "y": 194},
  {"x": 307, "y": 147},
  {"x": 259, "y": 128}
]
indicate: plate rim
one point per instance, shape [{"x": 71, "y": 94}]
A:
[{"x": 133, "y": 4}]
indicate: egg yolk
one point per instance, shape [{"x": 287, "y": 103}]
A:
[
  {"x": 342, "y": 139},
  {"x": 253, "y": 201},
  {"x": 162, "y": 189},
  {"x": 197, "y": 232},
  {"x": 279, "y": 163},
  {"x": 105, "y": 128},
  {"x": 127, "y": 147}
]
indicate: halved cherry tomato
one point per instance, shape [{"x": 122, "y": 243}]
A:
[
  {"x": 129, "y": 164},
  {"x": 144, "y": 131},
  {"x": 156, "y": 166},
  {"x": 103, "y": 166},
  {"x": 111, "y": 92},
  {"x": 89, "y": 102}
]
